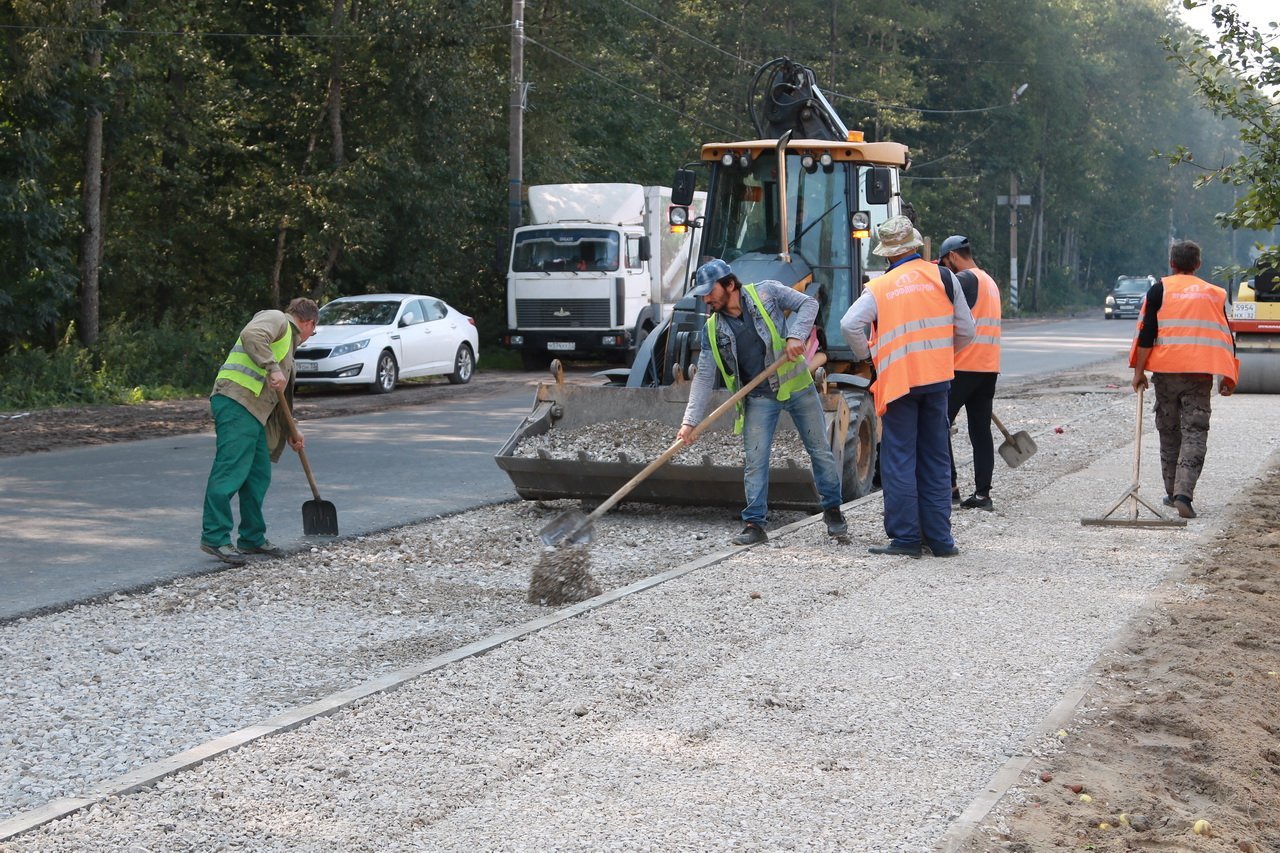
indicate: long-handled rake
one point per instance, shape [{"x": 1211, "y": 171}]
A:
[
  {"x": 1131, "y": 499},
  {"x": 562, "y": 575}
]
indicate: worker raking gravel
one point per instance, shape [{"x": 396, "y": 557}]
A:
[{"x": 563, "y": 574}]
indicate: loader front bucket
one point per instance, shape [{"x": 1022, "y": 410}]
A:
[{"x": 689, "y": 479}]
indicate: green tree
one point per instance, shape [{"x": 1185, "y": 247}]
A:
[{"x": 1237, "y": 74}]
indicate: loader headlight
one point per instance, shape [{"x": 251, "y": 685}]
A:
[
  {"x": 344, "y": 349},
  {"x": 828, "y": 164},
  {"x": 809, "y": 164},
  {"x": 678, "y": 215},
  {"x": 860, "y": 225}
]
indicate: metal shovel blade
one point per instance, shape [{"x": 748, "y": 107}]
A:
[
  {"x": 568, "y": 528},
  {"x": 319, "y": 518},
  {"x": 1017, "y": 448}
]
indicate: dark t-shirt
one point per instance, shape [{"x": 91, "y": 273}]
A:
[{"x": 750, "y": 350}]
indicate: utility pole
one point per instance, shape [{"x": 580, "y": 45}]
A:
[
  {"x": 515, "y": 177},
  {"x": 1013, "y": 200}
]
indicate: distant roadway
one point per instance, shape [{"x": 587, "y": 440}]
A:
[{"x": 80, "y": 524}]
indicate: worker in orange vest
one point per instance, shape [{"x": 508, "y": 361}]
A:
[
  {"x": 977, "y": 367},
  {"x": 918, "y": 319},
  {"x": 1184, "y": 340}
]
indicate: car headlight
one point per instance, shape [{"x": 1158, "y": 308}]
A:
[
  {"x": 1111, "y": 300},
  {"x": 343, "y": 349}
]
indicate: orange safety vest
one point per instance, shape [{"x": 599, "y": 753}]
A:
[
  {"x": 1193, "y": 335},
  {"x": 983, "y": 355},
  {"x": 914, "y": 332}
]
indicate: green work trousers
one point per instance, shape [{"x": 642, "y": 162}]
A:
[{"x": 241, "y": 466}]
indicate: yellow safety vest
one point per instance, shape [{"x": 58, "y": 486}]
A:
[
  {"x": 792, "y": 377},
  {"x": 242, "y": 370}
]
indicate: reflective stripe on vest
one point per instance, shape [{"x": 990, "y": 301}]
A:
[
  {"x": 983, "y": 355},
  {"x": 792, "y": 377},
  {"x": 242, "y": 370},
  {"x": 914, "y": 334},
  {"x": 1192, "y": 334}
]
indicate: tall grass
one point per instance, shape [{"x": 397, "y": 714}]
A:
[{"x": 132, "y": 362}]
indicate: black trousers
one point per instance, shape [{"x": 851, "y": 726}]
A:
[{"x": 974, "y": 392}]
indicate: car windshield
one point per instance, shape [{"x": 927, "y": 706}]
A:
[
  {"x": 358, "y": 313},
  {"x": 1133, "y": 285}
]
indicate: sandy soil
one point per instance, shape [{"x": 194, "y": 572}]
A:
[{"x": 1182, "y": 725}]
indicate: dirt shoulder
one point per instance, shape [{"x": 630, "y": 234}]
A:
[
  {"x": 40, "y": 430},
  {"x": 1183, "y": 723}
]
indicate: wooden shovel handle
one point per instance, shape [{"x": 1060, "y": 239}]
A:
[
  {"x": 1000, "y": 426},
  {"x": 293, "y": 433},
  {"x": 679, "y": 443}
]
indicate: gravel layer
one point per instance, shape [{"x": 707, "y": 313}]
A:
[
  {"x": 641, "y": 441},
  {"x": 801, "y": 694}
]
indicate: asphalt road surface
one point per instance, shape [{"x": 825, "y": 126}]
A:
[{"x": 80, "y": 524}]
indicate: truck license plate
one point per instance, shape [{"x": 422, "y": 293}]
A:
[
  {"x": 1243, "y": 311},
  {"x": 560, "y": 345}
]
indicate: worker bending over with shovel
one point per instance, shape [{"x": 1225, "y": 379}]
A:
[
  {"x": 251, "y": 429},
  {"x": 918, "y": 318},
  {"x": 745, "y": 331},
  {"x": 1184, "y": 340}
]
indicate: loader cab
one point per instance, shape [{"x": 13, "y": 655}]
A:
[{"x": 835, "y": 197}]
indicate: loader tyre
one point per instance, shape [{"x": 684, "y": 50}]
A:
[{"x": 858, "y": 476}]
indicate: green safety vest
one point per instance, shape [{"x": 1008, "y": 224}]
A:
[
  {"x": 242, "y": 370},
  {"x": 792, "y": 376}
]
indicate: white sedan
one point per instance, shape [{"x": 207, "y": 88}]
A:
[{"x": 379, "y": 338}]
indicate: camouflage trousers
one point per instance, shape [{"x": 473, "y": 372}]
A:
[{"x": 1182, "y": 418}]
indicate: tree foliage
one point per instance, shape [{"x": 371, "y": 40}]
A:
[
  {"x": 233, "y": 180},
  {"x": 1238, "y": 76}
]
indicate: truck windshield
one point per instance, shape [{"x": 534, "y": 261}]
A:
[{"x": 564, "y": 249}]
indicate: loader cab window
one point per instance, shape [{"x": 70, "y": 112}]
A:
[
  {"x": 565, "y": 249},
  {"x": 745, "y": 215}
]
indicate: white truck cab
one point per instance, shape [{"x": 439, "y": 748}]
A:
[{"x": 595, "y": 272}]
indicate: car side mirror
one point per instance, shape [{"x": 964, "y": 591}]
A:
[{"x": 406, "y": 319}]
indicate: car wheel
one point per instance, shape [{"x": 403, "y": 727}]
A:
[
  {"x": 464, "y": 364},
  {"x": 386, "y": 374}
]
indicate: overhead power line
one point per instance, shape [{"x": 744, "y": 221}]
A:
[
  {"x": 187, "y": 33},
  {"x": 618, "y": 85}
]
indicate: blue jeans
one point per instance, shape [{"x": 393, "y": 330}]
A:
[
  {"x": 805, "y": 408},
  {"x": 915, "y": 469}
]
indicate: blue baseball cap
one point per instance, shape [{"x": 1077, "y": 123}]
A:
[
  {"x": 949, "y": 245},
  {"x": 707, "y": 276}
]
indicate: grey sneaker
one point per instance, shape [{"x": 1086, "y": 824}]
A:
[
  {"x": 225, "y": 553},
  {"x": 750, "y": 535},
  {"x": 266, "y": 548},
  {"x": 834, "y": 518}
]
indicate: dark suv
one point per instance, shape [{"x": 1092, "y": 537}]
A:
[{"x": 1125, "y": 299}]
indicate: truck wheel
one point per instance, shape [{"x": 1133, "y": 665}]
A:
[
  {"x": 533, "y": 360},
  {"x": 385, "y": 374},
  {"x": 630, "y": 358},
  {"x": 858, "y": 477},
  {"x": 464, "y": 364}
]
